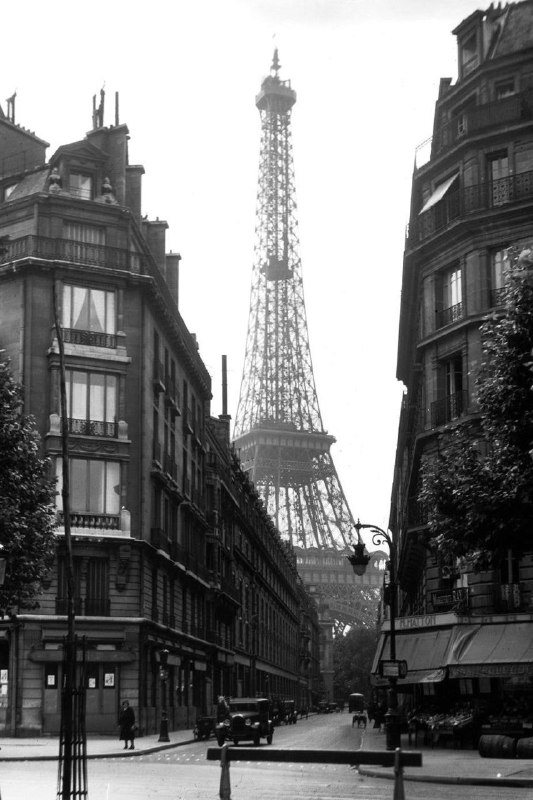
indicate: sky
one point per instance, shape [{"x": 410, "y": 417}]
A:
[{"x": 366, "y": 74}]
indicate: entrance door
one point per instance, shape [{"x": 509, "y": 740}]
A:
[{"x": 102, "y": 701}]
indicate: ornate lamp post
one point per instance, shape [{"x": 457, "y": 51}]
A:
[
  {"x": 163, "y": 674},
  {"x": 359, "y": 562}
]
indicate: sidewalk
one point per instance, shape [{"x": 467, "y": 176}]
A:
[
  {"x": 439, "y": 765},
  {"x": 451, "y": 766},
  {"x": 46, "y": 748}
]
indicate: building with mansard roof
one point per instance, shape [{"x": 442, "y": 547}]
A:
[
  {"x": 466, "y": 636},
  {"x": 156, "y": 566}
]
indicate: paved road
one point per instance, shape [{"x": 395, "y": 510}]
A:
[{"x": 183, "y": 773}]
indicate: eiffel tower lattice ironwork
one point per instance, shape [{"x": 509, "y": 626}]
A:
[{"x": 279, "y": 433}]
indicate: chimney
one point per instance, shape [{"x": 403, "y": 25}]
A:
[
  {"x": 134, "y": 173},
  {"x": 155, "y": 231},
  {"x": 173, "y": 274}
]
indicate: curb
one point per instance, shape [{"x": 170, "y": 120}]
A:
[
  {"x": 445, "y": 779},
  {"x": 93, "y": 756}
]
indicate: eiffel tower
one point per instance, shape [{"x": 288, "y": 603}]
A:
[{"x": 279, "y": 432}]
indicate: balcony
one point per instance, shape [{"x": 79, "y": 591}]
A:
[
  {"x": 448, "y": 408},
  {"x": 448, "y": 315},
  {"x": 513, "y": 109},
  {"x": 458, "y": 203},
  {"x": 91, "y": 522},
  {"x": 54, "y": 249},
  {"x": 86, "y": 427},
  {"x": 89, "y": 338},
  {"x": 450, "y": 600}
]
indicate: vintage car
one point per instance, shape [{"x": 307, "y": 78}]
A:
[
  {"x": 248, "y": 719},
  {"x": 204, "y": 727},
  {"x": 288, "y": 713}
]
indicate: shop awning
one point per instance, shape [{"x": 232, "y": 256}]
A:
[
  {"x": 425, "y": 652},
  {"x": 439, "y": 193},
  {"x": 491, "y": 650}
]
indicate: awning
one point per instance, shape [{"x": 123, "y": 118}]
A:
[
  {"x": 491, "y": 650},
  {"x": 425, "y": 652},
  {"x": 414, "y": 676},
  {"x": 439, "y": 193}
]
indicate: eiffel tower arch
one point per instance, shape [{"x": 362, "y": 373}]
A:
[{"x": 279, "y": 434}]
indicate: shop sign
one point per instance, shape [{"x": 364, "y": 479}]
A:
[
  {"x": 489, "y": 670},
  {"x": 393, "y": 668}
]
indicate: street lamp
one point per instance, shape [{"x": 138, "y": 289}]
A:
[
  {"x": 163, "y": 674},
  {"x": 359, "y": 562}
]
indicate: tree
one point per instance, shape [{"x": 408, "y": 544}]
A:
[
  {"x": 26, "y": 501},
  {"x": 352, "y": 662},
  {"x": 478, "y": 491}
]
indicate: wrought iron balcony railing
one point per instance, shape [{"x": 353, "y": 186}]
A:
[
  {"x": 448, "y": 315},
  {"x": 448, "y": 408},
  {"x": 91, "y": 427},
  {"x": 459, "y": 202},
  {"x": 89, "y": 338},
  {"x": 508, "y": 597}
]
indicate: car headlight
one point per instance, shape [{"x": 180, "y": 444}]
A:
[
  {"x": 248, "y": 722},
  {"x": 227, "y": 722}
]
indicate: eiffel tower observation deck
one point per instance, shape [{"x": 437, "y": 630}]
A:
[{"x": 279, "y": 433}]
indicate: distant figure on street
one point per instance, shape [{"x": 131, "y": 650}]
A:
[
  {"x": 126, "y": 721},
  {"x": 222, "y": 709}
]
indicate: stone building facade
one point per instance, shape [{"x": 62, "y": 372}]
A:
[
  {"x": 464, "y": 635},
  {"x": 171, "y": 550}
]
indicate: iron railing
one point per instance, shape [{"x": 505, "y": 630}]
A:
[
  {"x": 457, "y": 203},
  {"x": 446, "y": 316},
  {"x": 448, "y": 408},
  {"x": 89, "y": 338},
  {"x": 91, "y": 427}
]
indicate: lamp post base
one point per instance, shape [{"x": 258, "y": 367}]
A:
[
  {"x": 163, "y": 730},
  {"x": 392, "y": 729}
]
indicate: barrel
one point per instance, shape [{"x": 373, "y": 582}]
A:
[
  {"x": 524, "y": 748},
  {"x": 497, "y": 746}
]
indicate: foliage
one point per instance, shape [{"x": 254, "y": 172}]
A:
[
  {"x": 352, "y": 661},
  {"x": 26, "y": 501},
  {"x": 478, "y": 492}
]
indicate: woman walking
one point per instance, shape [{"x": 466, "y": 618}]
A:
[{"x": 126, "y": 720}]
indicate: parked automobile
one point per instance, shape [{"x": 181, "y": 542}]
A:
[
  {"x": 204, "y": 727},
  {"x": 248, "y": 719},
  {"x": 323, "y": 707},
  {"x": 288, "y": 713}
]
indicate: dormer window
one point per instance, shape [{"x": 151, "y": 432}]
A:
[
  {"x": 469, "y": 54},
  {"x": 81, "y": 185}
]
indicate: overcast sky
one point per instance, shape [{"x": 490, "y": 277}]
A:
[{"x": 366, "y": 73}]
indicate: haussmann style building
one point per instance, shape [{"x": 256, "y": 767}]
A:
[
  {"x": 467, "y": 638},
  {"x": 172, "y": 549}
]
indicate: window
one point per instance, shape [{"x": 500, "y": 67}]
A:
[
  {"x": 80, "y": 185},
  {"x": 97, "y": 587},
  {"x": 82, "y": 232},
  {"x": 91, "y": 403},
  {"x": 94, "y": 485},
  {"x": 89, "y": 310},
  {"x": 500, "y": 181},
  {"x": 451, "y": 402},
  {"x": 449, "y": 297},
  {"x": 497, "y": 277},
  {"x": 504, "y": 88},
  {"x": 469, "y": 57}
]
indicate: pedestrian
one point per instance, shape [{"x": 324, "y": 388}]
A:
[{"x": 126, "y": 721}]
